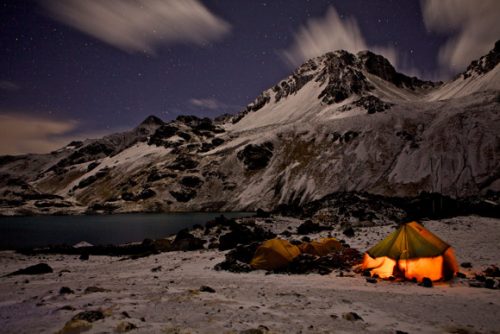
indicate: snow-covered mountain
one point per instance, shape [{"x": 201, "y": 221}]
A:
[{"x": 340, "y": 122}]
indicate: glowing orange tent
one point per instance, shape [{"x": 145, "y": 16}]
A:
[{"x": 412, "y": 252}]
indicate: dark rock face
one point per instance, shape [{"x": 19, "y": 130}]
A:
[
  {"x": 37, "y": 269},
  {"x": 381, "y": 67},
  {"x": 191, "y": 181},
  {"x": 373, "y": 104},
  {"x": 163, "y": 132},
  {"x": 183, "y": 195},
  {"x": 485, "y": 63},
  {"x": 353, "y": 81},
  {"x": 145, "y": 194},
  {"x": 90, "y": 152},
  {"x": 256, "y": 157},
  {"x": 93, "y": 178},
  {"x": 183, "y": 162}
]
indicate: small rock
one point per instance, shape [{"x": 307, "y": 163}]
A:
[
  {"x": 75, "y": 327},
  {"x": 351, "y": 316},
  {"x": 65, "y": 291},
  {"x": 426, "y": 282},
  {"x": 466, "y": 265},
  {"x": 89, "y": 316},
  {"x": 349, "y": 232},
  {"x": 124, "y": 327},
  {"x": 206, "y": 288},
  {"x": 371, "y": 280},
  {"x": 489, "y": 283},
  {"x": 252, "y": 331},
  {"x": 37, "y": 269},
  {"x": 476, "y": 284},
  {"x": 93, "y": 289},
  {"x": 67, "y": 308},
  {"x": 125, "y": 314},
  {"x": 460, "y": 275},
  {"x": 156, "y": 269},
  {"x": 84, "y": 257}
]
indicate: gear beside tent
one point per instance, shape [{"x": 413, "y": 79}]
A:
[
  {"x": 321, "y": 247},
  {"x": 278, "y": 253},
  {"x": 274, "y": 254},
  {"x": 412, "y": 252}
]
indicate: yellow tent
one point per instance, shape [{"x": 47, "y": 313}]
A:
[
  {"x": 412, "y": 252},
  {"x": 321, "y": 247},
  {"x": 274, "y": 254}
]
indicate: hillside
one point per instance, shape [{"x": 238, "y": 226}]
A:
[{"x": 341, "y": 122}]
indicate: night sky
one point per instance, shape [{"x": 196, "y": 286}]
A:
[{"x": 51, "y": 70}]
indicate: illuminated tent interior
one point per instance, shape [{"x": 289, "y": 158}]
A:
[{"x": 412, "y": 252}]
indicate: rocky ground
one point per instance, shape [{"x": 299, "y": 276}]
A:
[{"x": 181, "y": 292}]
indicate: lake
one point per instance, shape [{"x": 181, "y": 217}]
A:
[{"x": 35, "y": 231}]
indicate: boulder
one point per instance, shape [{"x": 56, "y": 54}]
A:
[
  {"x": 90, "y": 316},
  {"x": 37, "y": 269}
]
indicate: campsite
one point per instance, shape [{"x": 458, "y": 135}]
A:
[{"x": 183, "y": 292}]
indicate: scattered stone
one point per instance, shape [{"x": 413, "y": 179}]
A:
[
  {"x": 466, "y": 265},
  {"x": 309, "y": 227},
  {"x": 94, "y": 289},
  {"x": 351, "y": 316},
  {"x": 371, "y": 280},
  {"x": 489, "y": 283},
  {"x": 75, "y": 327},
  {"x": 206, "y": 288},
  {"x": 125, "y": 314},
  {"x": 65, "y": 291},
  {"x": 492, "y": 271},
  {"x": 185, "y": 241},
  {"x": 426, "y": 282},
  {"x": 124, "y": 327},
  {"x": 262, "y": 214},
  {"x": 476, "y": 284},
  {"x": 37, "y": 269},
  {"x": 349, "y": 232},
  {"x": 89, "y": 316},
  {"x": 67, "y": 308},
  {"x": 253, "y": 331},
  {"x": 156, "y": 269},
  {"x": 461, "y": 275},
  {"x": 84, "y": 257}
]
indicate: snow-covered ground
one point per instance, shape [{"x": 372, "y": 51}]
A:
[{"x": 169, "y": 301}]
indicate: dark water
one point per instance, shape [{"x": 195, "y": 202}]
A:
[{"x": 17, "y": 232}]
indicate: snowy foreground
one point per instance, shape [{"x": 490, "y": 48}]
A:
[{"x": 168, "y": 299}]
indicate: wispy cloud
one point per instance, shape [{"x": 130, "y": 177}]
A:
[
  {"x": 473, "y": 25},
  {"x": 140, "y": 25},
  {"x": 209, "y": 103},
  {"x": 330, "y": 33},
  {"x": 8, "y": 85},
  {"x": 21, "y": 134}
]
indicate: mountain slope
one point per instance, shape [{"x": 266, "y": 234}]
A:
[{"x": 340, "y": 122}]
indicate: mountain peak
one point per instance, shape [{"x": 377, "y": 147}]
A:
[
  {"x": 152, "y": 120},
  {"x": 484, "y": 64}
]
